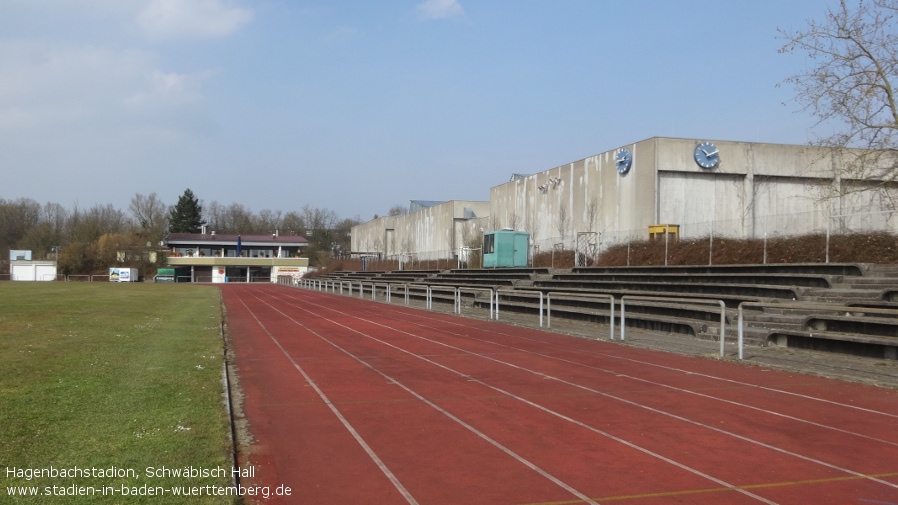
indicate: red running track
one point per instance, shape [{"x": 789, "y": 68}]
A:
[{"x": 351, "y": 401}]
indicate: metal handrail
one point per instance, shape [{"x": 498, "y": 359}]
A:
[
  {"x": 475, "y": 290},
  {"x": 570, "y": 296},
  {"x": 699, "y": 301},
  {"x": 525, "y": 294}
]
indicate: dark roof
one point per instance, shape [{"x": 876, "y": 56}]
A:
[{"x": 196, "y": 238}]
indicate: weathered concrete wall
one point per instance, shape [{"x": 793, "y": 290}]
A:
[
  {"x": 584, "y": 196},
  {"x": 431, "y": 233},
  {"x": 756, "y": 189}
]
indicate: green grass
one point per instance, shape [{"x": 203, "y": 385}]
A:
[{"x": 100, "y": 375}]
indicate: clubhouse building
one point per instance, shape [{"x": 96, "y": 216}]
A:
[{"x": 219, "y": 258}]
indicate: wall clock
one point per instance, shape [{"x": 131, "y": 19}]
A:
[
  {"x": 624, "y": 160},
  {"x": 706, "y": 155}
]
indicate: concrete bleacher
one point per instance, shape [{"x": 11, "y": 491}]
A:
[
  {"x": 775, "y": 285},
  {"x": 731, "y": 293},
  {"x": 771, "y": 268}
]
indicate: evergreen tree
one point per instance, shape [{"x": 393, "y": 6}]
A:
[{"x": 187, "y": 215}]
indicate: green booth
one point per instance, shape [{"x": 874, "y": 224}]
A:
[{"x": 506, "y": 249}]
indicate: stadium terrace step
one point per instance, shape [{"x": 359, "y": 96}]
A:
[
  {"x": 875, "y": 305},
  {"x": 739, "y": 291},
  {"x": 860, "y": 345},
  {"x": 775, "y": 268},
  {"x": 866, "y": 325},
  {"x": 802, "y": 280},
  {"x": 482, "y": 272},
  {"x": 885, "y": 271},
  {"x": 731, "y": 301},
  {"x": 473, "y": 281},
  {"x": 767, "y": 320},
  {"x": 842, "y": 292},
  {"x": 870, "y": 280}
]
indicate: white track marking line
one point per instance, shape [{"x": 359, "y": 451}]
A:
[
  {"x": 624, "y": 400},
  {"x": 380, "y": 464},
  {"x": 427, "y": 402},
  {"x": 661, "y": 384},
  {"x": 509, "y": 394},
  {"x": 648, "y": 363}
]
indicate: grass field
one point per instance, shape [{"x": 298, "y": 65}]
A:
[{"x": 100, "y": 382}]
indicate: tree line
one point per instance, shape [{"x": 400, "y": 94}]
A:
[{"x": 89, "y": 240}]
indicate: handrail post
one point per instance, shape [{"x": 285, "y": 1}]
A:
[
  {"x": 612, "y": 316},
  {"x": 723, "y": 320},
  {"x": 491, "y": 303},
  {"x": 623, "y": 318},
  {"x": 540, "y": 309}
]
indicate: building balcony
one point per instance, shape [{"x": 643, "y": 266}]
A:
[{"x": 236, "y": 262}]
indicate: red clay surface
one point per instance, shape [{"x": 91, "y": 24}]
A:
[{"x": 351, "y": 401}]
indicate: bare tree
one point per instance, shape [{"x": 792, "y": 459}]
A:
[
  {"x": 592, "y": 214},
  {"x": 150, "y": 216},
  {"x": 849, "y": 87},
  {"x": 293, "y": 223},
  {"x": 398, "y": 210},
  {"x": 268, "y": 221},
  {"x": 16, "y": 218},
  {"x": 563, "y": 222},
  {"x": 239, "y": 219},
  {"x": 513, "y": 221},
  {"x": 533, "y": 224},
  {"x": 88, "y": 226}
]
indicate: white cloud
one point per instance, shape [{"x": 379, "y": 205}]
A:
[
  {"x": 192, "y": 18},
  {"x": 439, "y": 9},
  {"x": 162, "y": 89},
  {"x": 46, "y": 86}
]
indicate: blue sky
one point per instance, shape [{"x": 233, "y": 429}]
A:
[{"x": 358, "y": 106}]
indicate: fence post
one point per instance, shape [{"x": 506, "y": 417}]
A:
[
  {"x": 666, "y": 235},
  {"x": 765, "y": 247},
  {"x": 628, "y": 251}
]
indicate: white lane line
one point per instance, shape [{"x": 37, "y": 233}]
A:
[
  {"x": 620, "y": 399},
  {"x": 436, "y": 407},
  {"x": 509, "y": 394},
  {"x": 648, "y": 363},
  {"x": 380, "y": 464},
  {"x": 669, "y": 386}
]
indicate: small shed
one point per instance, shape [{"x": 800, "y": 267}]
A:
[
  {"x": 506, "y": 249},
  {"x": 22, "y": 270}
]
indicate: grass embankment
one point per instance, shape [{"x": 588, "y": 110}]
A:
[{"x": 101, "y": 381}]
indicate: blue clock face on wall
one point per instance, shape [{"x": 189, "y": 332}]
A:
[
  {"x": 706, "y": 155},
  {"x": 624, "y": 160}
]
